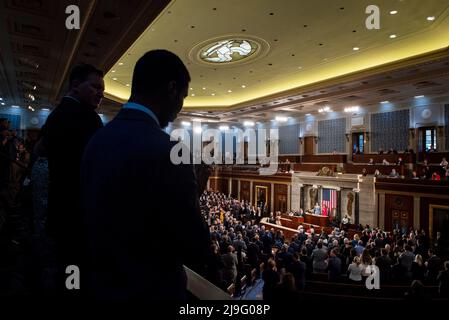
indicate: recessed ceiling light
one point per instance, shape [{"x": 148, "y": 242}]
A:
[
  {"x": 191, "y": 88},
  {"x": 392, "y": 36},
  {"x": 204, "y": 88},
  {"x": 45, "y": 109},
  {"x": 1, "y": 99},
  {"x": 393, "y": 12},
  {"x": 192, "y": 94},
  {"x": 229, "y": 91},
  {"x": 223, "y": 128},
  {"x": 127, "y": 84},
  {"x": 431, "y": 18},
  {"x": 308, "y": 114},
  {"x": 384, "y": 102},
  {"x": 113, "y": 71},
  {"x": 356, "y": 48},
  {"x": 35, "y": 87},
  {"x": 3, "y": 103},
  {"x": 120, "y": 63},
  {"x": 212, "y": 94},
  {"x": 15, "y": 107},
  {"x": 115, "y": 79},
  {"x": 243, "y": 86},
  {"x": 420, "y": 96},
  {"x": 352, "y": 109},
  {"x": 248, "y": 123},
  {"x": 299, "y": 67}
]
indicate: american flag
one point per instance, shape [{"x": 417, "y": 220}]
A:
[{"x": 329, "y": 199}]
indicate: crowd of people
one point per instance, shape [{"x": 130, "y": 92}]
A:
[{"x": 286, "y": 265}]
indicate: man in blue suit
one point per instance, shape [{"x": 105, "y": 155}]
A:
[{"x": 141, "y": 211}]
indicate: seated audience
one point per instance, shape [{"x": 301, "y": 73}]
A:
[
  {"x": 385, "y": 162},
  {"x": 393, "y": 174},
  {"x": 399, "y": 162},
  {"x": 371, "y": 162},
  {"x": 377, "y": 173},
  {"x": 444, "y": 163},
  {"x": 436, "y": 176}
]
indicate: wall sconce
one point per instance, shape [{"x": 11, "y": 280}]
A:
[
  {"x": 316, "y": 139},
  {"x": 347, "y": 136},
  {"x": 412, "y": 132}
]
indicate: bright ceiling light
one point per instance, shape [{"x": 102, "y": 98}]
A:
[
  {"x": 212, "y": 94},
  {"x": 186, "y": 124},
  {"x": 197, "y": 130},
  {"x": 281, "y": 119},
  {"x": 248, "y": 123},
  {"x": 386, "y": 101},
  {"x": 35, "y": 87},
  {"x": 325, "y": 109},
  {"x": 192, "y": 94},
  {"x": 115, "y": 79},
  {"x": 308, "y": 114},
  {"x": 431, "y": 18},
  {"x": 45, "y": 109},
  {"x": 127, "y": 84},
  {"x": 113, "y": 71},
  {"x": 356, "y": 48},
  {"x": 243, "y": 86},
  {"x": 229, "y": 91},
  {"x": 2, "y": 103},
  {"x": 352, "y": 109},
  {"x": 1, "y": 99},
  {"x": 120, "y": 63},
  {"x": 392, "y": 36},
  {"x": 15, "y": 107},
  {"x": 393, "y": 12},
  {"x": 420, "y": 96},
  {"x": 223, "y": 128},
  {"x": 204, "y": 88}
]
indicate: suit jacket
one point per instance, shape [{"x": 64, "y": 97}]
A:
[
  {"x": 68, "y": 129},
  {"x": 142, "y": 212}
]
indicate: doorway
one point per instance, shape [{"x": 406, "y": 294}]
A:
[
  {"x": 308, "y": 145},
  {"x": 358, "y": 142},
  {"x": 427, "y": 139}
]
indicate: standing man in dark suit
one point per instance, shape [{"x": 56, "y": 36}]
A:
[
  {"x": 135, "y": 196},
  {"x": 67, "y": 131}
]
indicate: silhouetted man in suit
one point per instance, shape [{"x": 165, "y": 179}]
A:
[
  {"x": 142, "y": 211},
  {"x": 67, "y": 131}
]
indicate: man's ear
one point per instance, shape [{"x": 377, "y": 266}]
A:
[{"x": 171, "y": 86}]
